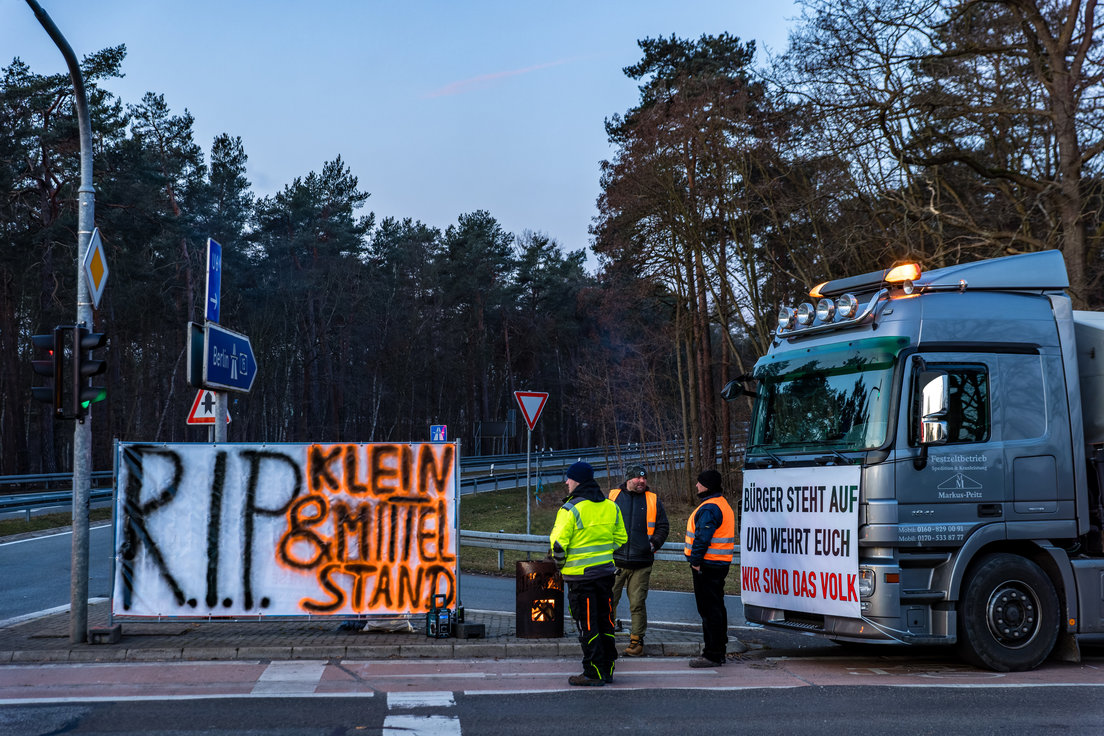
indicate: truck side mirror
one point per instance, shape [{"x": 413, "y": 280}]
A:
[
  {"x": 933, "y": 407},
  {"x": 734, "y": 390}
]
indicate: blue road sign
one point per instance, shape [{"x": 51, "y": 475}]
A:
[
  {"x": 214, "y": 279},
  {"x": 438, "y": 433},
  {"x": 228, "y": 361}
]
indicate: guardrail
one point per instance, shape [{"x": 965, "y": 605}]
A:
[
  {"x": 47, "y": 479},
  {"x": 28, "y": 502},
  {"x": 538, "y": 543},
  {"x": 478, "y": 474}
]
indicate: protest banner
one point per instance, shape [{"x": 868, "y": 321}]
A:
[
  {"x": 799, "y": 539},
  {"x": 248, "y": 530}
]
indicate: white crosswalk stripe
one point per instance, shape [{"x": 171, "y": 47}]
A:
[
  {"x": 421, "y": 726},
  {"x": 293, "y": 677},
  {"x": 430, "y": 699}
]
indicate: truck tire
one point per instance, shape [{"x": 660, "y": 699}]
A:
[{"x": 1007, "y": 614}]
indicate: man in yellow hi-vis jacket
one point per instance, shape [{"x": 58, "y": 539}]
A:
[{"x": 588, "y": 529}]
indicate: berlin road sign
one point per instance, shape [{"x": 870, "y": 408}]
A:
[{"x": 228, "y": 360}]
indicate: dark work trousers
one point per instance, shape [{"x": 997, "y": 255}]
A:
[
  {"x": 709, "y": 595},
  {"x": 593, "y": 612}
]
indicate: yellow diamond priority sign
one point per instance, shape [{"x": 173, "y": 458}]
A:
[{"x": 95, "y": 268}]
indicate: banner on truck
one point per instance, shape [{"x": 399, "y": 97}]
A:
[
  {"x": 259, "y": 530},
  {"x": 799, "y": 540}
]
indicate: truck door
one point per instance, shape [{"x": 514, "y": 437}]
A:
[{"x": 948, "y": 490}]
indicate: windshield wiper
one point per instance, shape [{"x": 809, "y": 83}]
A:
[
  {"x": 824, "y": 460},
  {"x": 772, "y": 456}
]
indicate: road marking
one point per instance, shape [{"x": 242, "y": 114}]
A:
[
  {"x": 421, "y": 726},
  {"x": 39, "y": 614},
  {"x": 286, "y": 678},
  {"x": 167, "y": 696},
  {"x": 430, "y": 699},
  {"x": 97, "y": 525}
]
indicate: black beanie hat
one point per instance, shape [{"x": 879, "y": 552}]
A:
[
  {"x": 711, "y": 479},
  {"x": 580, "y": 472},
  {"x": 636, "y": 471}
]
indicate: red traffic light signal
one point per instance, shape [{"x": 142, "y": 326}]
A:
[{"x": 49, "y": 365}]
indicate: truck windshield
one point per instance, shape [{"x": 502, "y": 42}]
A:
[{"x": 831, "y": 397}]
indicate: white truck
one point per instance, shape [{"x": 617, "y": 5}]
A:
[{"x": 925, "y": 461}]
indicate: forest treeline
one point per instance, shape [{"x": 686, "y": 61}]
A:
[{"x": 933, "y": 130}]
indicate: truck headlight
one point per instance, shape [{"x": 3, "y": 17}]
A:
[
  {"x": 866, "y": 582},
  {"x": 847, "y": 306},
  {"x": 805, "y": 314}
]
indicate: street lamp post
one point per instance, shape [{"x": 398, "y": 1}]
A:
[{"x": 82, "y": 430}]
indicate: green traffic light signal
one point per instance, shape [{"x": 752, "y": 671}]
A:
[{"x": 84, "y": 367}]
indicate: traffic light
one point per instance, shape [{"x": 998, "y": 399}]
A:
[
  {"x": 84, "y": 367},
  {"x": 50, "y": 365}
]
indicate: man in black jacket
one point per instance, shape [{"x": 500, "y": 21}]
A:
[{"x": 646, "y": 524}]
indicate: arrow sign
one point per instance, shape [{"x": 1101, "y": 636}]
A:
[
  {"x": 228, "y": 360},
  {"x": 203, "y": 409},
  {"x": 531, "y": 403}
]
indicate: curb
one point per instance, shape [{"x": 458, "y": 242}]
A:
[{"x": 482, "y": 650}]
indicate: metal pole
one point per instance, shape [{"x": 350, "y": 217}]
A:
[
  {"x": 528, "y": 452},
  {"x": 220, "y": 416},
  {"x": 82, "y": 430}
]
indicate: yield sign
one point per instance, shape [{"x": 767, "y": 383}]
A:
[
  {"x": 203, "y": 410},
  {"x": 531, "y": 403}
]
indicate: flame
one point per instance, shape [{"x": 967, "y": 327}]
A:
[{"x": 544, "y": 609}]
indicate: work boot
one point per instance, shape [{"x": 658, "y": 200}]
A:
[
  {"x": 587, "y": 681},
  {"x": 702, "y": 662},
  {"x": 635, "y": 647}
]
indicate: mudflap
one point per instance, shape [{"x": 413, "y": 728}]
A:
[{"x": 1066, "y": 649}]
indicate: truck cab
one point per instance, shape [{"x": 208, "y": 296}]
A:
[{"x": 958, "y": 409}]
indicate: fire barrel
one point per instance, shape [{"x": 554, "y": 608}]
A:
[{"x": 540, "y": 600}]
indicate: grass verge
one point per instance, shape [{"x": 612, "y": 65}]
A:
[
  {"x": 504, "y": 511},
  {"x": 10, "y": 527}
]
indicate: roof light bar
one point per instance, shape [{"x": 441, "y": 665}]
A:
[{"x": 902, "y": 273}]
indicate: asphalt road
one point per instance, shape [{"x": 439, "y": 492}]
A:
[
  {"x": 825, "y": 710},
  {"x": 37, "y": 578}
]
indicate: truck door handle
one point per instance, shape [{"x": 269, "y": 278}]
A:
[{"x": 990, "y": 509}]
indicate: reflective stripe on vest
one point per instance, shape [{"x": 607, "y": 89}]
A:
[
  {"x": 590, "y": 543},
  {"x": 653, "y": 503},
  {"x": 723, "y": 545}
]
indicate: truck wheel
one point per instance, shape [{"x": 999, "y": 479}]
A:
[{"x": 1007, "y": 614}]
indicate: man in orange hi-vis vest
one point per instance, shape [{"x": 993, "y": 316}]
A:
[
  {"x": 647, "y": 527},
  {"x": 710, "y": 543}
]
